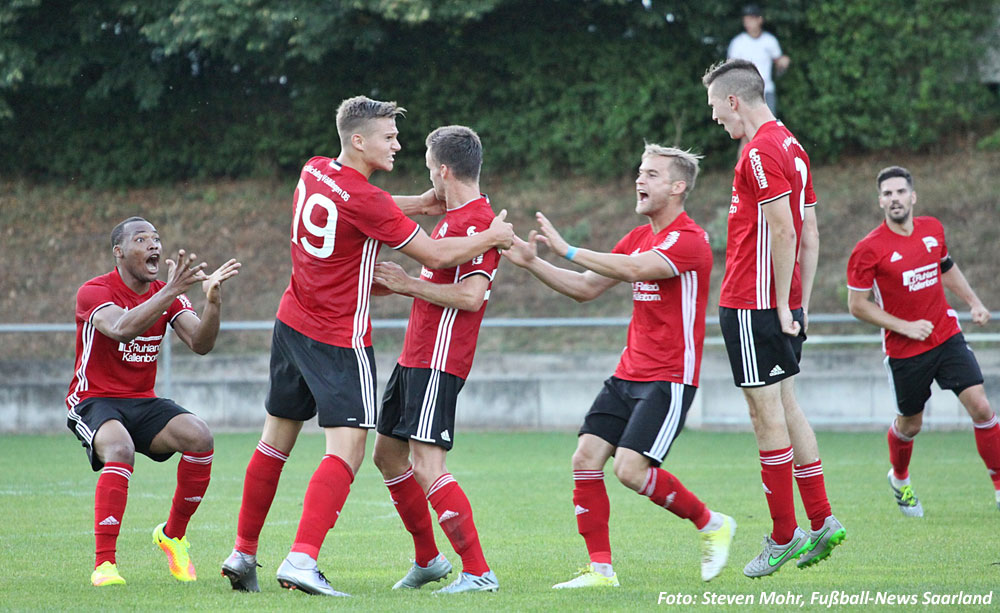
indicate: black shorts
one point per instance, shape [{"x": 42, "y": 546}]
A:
[
  {"x": 952, "y": 364},
  {"x": 759, "y": 352},
  {"x": 644, "y": 416},
  {"x": 419, "y": 404},
  {"x": 309, "y": 378},
  {"x": 144, "y": 418}
]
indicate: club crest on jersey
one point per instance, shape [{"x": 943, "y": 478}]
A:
[
  {"x": 930, "y": 242},
  {"x": 758, "y": 168},
  {"x": 443, "y": 230}
]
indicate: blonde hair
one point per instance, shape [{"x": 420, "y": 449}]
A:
[{"x": 684, "y": 164}]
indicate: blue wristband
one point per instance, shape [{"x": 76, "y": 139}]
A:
[{"x": 570, "y": 252}]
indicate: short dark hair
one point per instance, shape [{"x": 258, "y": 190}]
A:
[
  {"x": 354, "y": 112},
  {"x": 891, "y": 172},
  {"x": 458, "y": 148},
  {"x": 118, "y": 234},
  {"x": 736, "y": 77}
]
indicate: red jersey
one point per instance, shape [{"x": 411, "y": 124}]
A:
[
  {"x": 904, "y": 275},
  {"x": 771, "y": 165},
  {"x": 106, "y": 368},
  {"x": 339, "y": 223},
  {"x": 667, "y": 329},
  {"x": 445, "y": 338}
]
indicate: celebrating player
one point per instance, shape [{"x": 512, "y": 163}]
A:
[
  {"x": 418, "y": 411},
  {"x": 895, "y": 277},
  {"x": 642, "y": 408},
  {"x": 121, "y": 318},
  {"x": 762, "y": 310},
  {"x": 321, "y": 356}
]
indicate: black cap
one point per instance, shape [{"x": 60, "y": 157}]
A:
[{"x": 753, "y": 9}]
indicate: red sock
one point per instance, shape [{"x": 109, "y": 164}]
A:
[
  {"x": 455, "y": 518},
  {"x": 593, "y": 512},
  {"x": 812, "y": 490},
  {"x": 988, "y": 444},
  {"x": 325, "y": 497},
  {"x": 259, "y": 486},
  {"x": 411, "y": 505},
  {"x": 668, "y": 492},
  {"x": 776, "y": 474},
  {"x": 110, "y": 497},
  {"x": 900, "y": 450},
  {"x": 194, "y": 471}
]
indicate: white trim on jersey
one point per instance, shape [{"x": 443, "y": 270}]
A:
[
  {"x": 408, "y": 238},
  {"x": 689, "y": 310},
  {"x": 763, "y": 281},
  {"x": 366, "y": 273},
  {"x": 747, "y": 350},
  {"x": 428, "y": 408},
  {"x": 488, "y": 275},
  {"x": 82, "y": 383},
  {"x": 668, "y": 429},
  {"x": 773, "y": 198},
  {"x": 669, "y": 262}
]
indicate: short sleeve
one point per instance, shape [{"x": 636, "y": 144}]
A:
[
  {"x": 385, "y": 222},
  {"x": 179, "y": 305},
  {"x": 774, "y": 48},
  {"x": 684, "y": 251},
  {"x": 767, "y": 176},
  {"x": 90, "y": 298},
  {"x": 861, "y": 268}
]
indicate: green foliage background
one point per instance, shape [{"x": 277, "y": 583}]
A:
[{"x": 119, "y": 92}]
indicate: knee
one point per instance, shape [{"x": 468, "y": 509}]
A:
[
  {"x": 981, "y": 411},
  {"x": 426, "y": 473},
  {"x": 909, "y": 427},
  {"x": 121, "y": 450},
  {"x": 630, "y": 473},
  {"x": 584, "y": 460},
  {"x": 199, "y": 437}
]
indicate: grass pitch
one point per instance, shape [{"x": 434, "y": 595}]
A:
[{"x": 520, "y": 488}]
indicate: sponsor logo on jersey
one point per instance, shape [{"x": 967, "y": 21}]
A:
[
  {"x": 642, "y": 291},
  {"x": 734, "y": 202},
  {"x": 930, "y": 242},
  {"x": 895, "y": 257},
  {"x": 788, "y": 142},
  {"x": 669, "y": 241},
  {"x": 141, "y": 349},
  {"x": 758, "y": 168},
  {"x": 185, "y": 301},
  {"x": 920, "y": 278}
]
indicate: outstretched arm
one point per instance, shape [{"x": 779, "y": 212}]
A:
[
  {"x": 580, "y": 286},
  {"x": 955, "y": 281},
  {"x": 860, "y": 303},
  {"x": 123, "y": 326},
  {"x": 455, "y": 250},
  {"x": 618, "y": 266},
  {"x": 466, "y": 295},
  {"x": 199, "y": 333},
  {"x": 424, "y": 204}
]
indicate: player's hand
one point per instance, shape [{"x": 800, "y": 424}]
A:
[
  {"x": 183, "y": 272},
  {"x": 502, "y": 231},
  {"x": 980, "y": 315},
  {"x": 788, "y": 324},
  {"x": 521, "y": 252},
  {"x": 431, "y": 204},
  {"x": 212, "y": 286},
  {"x": 378, "y": 289},
  {"x": 917, "y": 330},
  {"x": 550, "y": 236},
  {"x": 392, "y": 276}
]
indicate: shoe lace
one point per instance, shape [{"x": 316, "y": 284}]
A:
[
  {"x": 906, "y": 495},
  {"x": 583, "y": 570}
]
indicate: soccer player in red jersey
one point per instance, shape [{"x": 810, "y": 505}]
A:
[
  {"x": 418, "y": 410},
  {"x": 763, "y": 310},
  {"x": 321, "y": 356},
  {"x": 642, "y": 407},
  {"x": 896, "y": 277},
  {"x": 121, "y": 319}
]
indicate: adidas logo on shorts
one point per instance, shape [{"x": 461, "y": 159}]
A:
[
  {"x": 776, "y": 371},
  {"x": 445, "y": 437}
]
